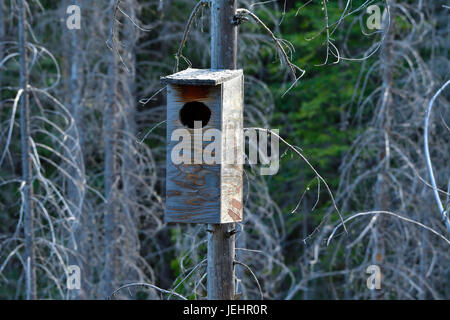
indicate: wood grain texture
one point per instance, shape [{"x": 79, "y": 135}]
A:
[
  {"x": 200, "y": 192},
  {"x": 192, "y": 190},
  {"x": 232, "y": 151}
]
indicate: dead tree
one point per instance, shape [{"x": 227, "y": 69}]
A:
[
  {"x": 111, "y": 175},
  {"x": 221, "y": 238},
  {"x": 76, "y": 185},
  {"x": 27, "y": 188},
  {"x": 383, "y": 124},
  {"x": 401, "y": 237}
]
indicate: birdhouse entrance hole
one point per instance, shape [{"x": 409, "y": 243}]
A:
[{"x": 194, "y": 111}]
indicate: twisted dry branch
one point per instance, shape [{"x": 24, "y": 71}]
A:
[
  {"x": 194, "y": 12},
  {"x": 142, "y": 284},
  {"x": 428, "y": 158},
  {"x": 241, "y": 12}
]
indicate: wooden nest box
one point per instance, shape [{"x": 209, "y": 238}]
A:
[{"x": 204, "y": 146}]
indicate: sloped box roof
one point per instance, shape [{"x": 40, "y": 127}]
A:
[{"x": 193, "y": 76}]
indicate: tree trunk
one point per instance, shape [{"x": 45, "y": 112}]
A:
[
  {"x": 129, "y": 165},
  {"x": 75, "y": 185},
  {"x": 26, "y": 160},
  {"x": 111, "y": 172},
  {"x": 382, "y": 197},
  {"x": 221, "y": 240}
]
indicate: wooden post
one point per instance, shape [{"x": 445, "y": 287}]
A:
[
  {"x": 221, "y": 239},
  {"x": 223, "y": 35}
]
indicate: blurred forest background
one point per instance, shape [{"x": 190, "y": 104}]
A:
[{"x": 82, "y": 150}]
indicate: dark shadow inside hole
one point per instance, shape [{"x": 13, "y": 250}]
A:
[{"x": 194, "y": 111}]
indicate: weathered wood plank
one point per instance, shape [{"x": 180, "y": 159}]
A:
[
  {"x": 201, "y": 191},
  {"x": 192, "y": 190},
  {"x": 209, "y": 77},
  {"x": 232, "y": 151}
]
